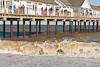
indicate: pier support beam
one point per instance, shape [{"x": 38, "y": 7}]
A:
[
  {"x": 93, "y": 26},
  {"x": 47, "y": 28},
  {"x": 64, "y": 27},
  {"x": 78, "y": 28},
  {"x": 11, "y": 29},
  {"x": 89, "y": 27},
  {"x": 4, "y": 29},
  {"x": 71, "y": 26},
  {"x": 39, "y": 26},
  {"x": 97, "y": 26},
  {"x": 30, "y": 28},
  {"x": 84, "y": 26},
  {"x": 36, "y": 29},
  {"x": 75, "y": 26},
  {"x": 56, "y": 28},
  {"x": 23, "y": 29},
  {"x": 17, "y": 28}
]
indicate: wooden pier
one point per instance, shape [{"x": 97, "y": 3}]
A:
[{"x": 38, "y": 18}]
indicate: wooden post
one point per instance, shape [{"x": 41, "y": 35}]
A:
[
  {"x": 36, "y": 29},
  {"x": 78, "y": 27},
  {"x": 39, "y": 26},
  {"x": 11, "y": 29},
  {"x": 24, "y": 29},
  {"x": 47, "y": 27},
  {"x": 56, "y": 27},
  {"x": 4, "y": 29},
  {"x": 97, "y": 26},
  {"x": 75, "y": 26},
  {"x": 30, "y": 28},
  {"x": 93, "y": 26},
  {"x": 72, "y": 27},
  {"x": 64, "y": 26},
  {"x": 17, "y": 28},
  {"x": 89, "y": 26},
  {"x": 84, "y": 26}
]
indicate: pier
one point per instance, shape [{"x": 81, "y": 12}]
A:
[
  {"x": 49, "y": 11},
  {"x": 38, "y": 18}
]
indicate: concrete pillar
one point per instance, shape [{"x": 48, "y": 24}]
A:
[
  {"x": 64, "y": 27},
  {"x": 84, "y": 26},
  {"x": 89, "y": 26},
  {"x": 93, "y": 26},
  {"x": 5, "y": 3},
  {"x": 39, "y": 26},
  {"x": 24, "y": 29},
  {"x": 12, "y": 6},
  {"x": 78, "y": 28},
  {"x": 97, "y": 26},
  {"x": 56, "y": 28},
  {"x": 75, "y": 26},
  {"x": 17, "y": 28},
  {"x": 30, "y": 28},
  {"x": 36, "y": 29},
  {"x": 47, "y": 27},
  {"x": 4, "y": 29},
  {"x": 11, "y": 29}
]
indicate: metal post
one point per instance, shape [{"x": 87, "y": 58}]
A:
[
  {"x": 80, "y": 27},
  {"x": 72, "y": 27}
]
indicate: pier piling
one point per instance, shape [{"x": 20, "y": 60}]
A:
[
  {"x": 84, "y": 26},
  {"x": 97, "y": 26},
  {"x": 89, "y": 27},
  {"x": 39, "y": 26},
  {"x": 56, "y": 27},
  {"x": 93, "y": 26},
  {"x": 47, "y": 28},
  {"x": 24, "y": 29},
  {"x": 30, "y": 28},
  {"x": 64, "y": 27},
  {"x": 78, "y": 27},
  {"x": 75, "y": 26},
  {"x": 11, "y": 29},
  {"x": 36, "y": 29},
  {"x": 4, "y": 29},
  {"x": 17, "y": 28}
]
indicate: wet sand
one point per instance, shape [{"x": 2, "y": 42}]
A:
[{"x": 42, "y": 37}]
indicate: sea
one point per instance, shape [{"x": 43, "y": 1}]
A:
[{"x": 56, "y": 50}]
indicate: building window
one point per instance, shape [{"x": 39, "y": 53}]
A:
[
  {"x": 40, "y": 4},
  {"x": 29, "y": 2},
  {"x": 16, "y": 0},
  {"x": 29, "y": 6}
]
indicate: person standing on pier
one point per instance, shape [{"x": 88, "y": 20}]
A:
[{"x": 14, "y": 8}]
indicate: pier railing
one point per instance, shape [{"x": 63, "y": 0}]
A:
[{"x": 73, "y": 12}]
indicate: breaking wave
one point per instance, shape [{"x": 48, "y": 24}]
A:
[{"x": 63, "y": 48}]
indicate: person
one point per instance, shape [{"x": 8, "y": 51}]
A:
[
  {"x": 22, "y": 9},
  {"x": 14, "y": 8},
  {"x": 10, "y": 8}
]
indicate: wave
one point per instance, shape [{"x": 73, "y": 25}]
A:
[{"x": 63, "y": 48}]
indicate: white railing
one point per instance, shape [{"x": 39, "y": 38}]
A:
[{"x": 73, "y": 12}]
